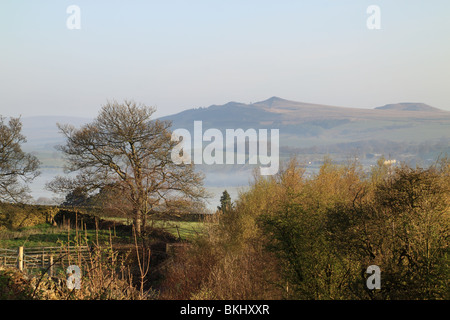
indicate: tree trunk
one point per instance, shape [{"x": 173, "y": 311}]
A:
[{"x": 137, "y": 221}]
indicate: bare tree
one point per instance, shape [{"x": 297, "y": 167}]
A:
[
  {"x": 17, "y": 168},
  {"x": 123, "y": 147}
]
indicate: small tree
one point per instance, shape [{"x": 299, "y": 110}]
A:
[
  {"x": 225, "y": 202},
  {"x": 76, "y": 197},
  {"x": 17, "y": 168},
  {"x": 123, "y": 147}
]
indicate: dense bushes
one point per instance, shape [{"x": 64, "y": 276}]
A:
[
  {"x": 297, "y": 237},
  {"x": 292, "y": 237},
  {"x": 16, "y": 216},
  {"x": 14, "y": 285}
]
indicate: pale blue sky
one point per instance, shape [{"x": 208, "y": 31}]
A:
[{"x": 183, "y": 54}]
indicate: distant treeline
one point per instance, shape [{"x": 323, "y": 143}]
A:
[{"x": 372, "y": 147}]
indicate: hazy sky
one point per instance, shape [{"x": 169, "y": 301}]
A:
[{"x": 190, "y": 53}]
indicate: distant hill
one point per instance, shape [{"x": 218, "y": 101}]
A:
[
  {"x": 302, "y": 126},
  {"x": 408, "y": 106},
  {"x": 306, "y": 124},
  {"x": 406, "y": 131}
]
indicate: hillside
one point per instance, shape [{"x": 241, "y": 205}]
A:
[
  {"x": 409, "y": 132},
  {"x": 302, "y": 126},
  {"x": 409, "y": 107},
  {"x": 306, "y": 124}
]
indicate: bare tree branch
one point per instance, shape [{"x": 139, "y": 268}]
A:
[
  {"x": 17, "y": 168},
  {"x": 124, "y": 147}
]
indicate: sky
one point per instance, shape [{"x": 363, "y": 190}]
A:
[{"x": 176, "y": 55}]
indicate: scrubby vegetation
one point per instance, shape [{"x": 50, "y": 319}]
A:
[
  {"x": 120, "y": 265},
  {"x": 287, "y": 237},
  {"x": 19, "y": 216},
  {"x": 290, "y": 237}
]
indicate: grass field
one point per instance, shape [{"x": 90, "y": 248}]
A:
[
  {"x": 184, "y": 230},
  {"x": 47, "y": 235}
]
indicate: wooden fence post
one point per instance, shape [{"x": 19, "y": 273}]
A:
[
  {"x": 20, "y": 258},
  {"x": 50, "y": 268}
]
